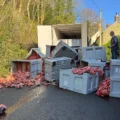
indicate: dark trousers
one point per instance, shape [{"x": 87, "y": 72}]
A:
[{"x": 114, "y": 54}]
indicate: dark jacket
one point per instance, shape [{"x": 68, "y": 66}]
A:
[{"x": 114, "y": 41}]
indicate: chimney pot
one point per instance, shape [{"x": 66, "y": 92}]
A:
[
  {"x": 108, "y": 25},
  {"x": 116, "y": 19}
]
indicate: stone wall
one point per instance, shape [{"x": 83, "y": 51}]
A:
[{"x": 106, "y": 34}]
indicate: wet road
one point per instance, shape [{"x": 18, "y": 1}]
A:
[{"x": 52, "y": 103}]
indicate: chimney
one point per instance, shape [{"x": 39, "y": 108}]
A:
[
  {"x": 108, "y": 25},
  {"x": 99, "y": 26},
  {"x": 116, "y": 17}
]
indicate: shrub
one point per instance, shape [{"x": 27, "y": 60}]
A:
[{"x": 108, "y": 50}]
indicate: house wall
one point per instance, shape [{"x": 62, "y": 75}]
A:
[
  {"x": 44, "y": 37},
  {"x": 56, "y": 35},
  {"x": 106, "y": 34},
  {"x": 47, "y": 35},
  {"x": 84, "y": 41},
  {"x": 95, "y": 37}
]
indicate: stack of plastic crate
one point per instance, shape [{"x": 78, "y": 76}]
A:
[
  {"x": 115, "y": 78},
  {"x": 53, "y": 66},
  {"x": 93, "y": 56}
]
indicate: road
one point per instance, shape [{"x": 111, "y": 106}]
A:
[{"x": 52, "y": 103}]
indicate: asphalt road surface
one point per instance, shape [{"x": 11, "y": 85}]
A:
[{"x": 52, "y": 103}]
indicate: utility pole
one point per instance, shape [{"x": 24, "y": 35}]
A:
[{"x": 100, "y": 27}]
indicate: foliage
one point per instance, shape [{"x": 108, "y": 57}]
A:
[
  {"x": 62, "y": 12},
  {"x": 10, "y": 51},
  {"x": 108, "y": 51},
  {"x": 18, "y": 25}
]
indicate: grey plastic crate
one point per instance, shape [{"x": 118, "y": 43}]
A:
[
  {"x": 95, "y": 53},
  {"x": 49, "y": 49},
  {"x": 39, "y": 65},
  {"x": 53, "y": 66},
  {"x": 63, "y": 50},
  {"x": 32, "y": 66},
  {"x": 115, "y": 78},
  {"x": 87, "y": 53},
  {"x": 83, "y": 84},
  {"x": 97, "y": 64},
  {"x": 115, "y": 87},
  {"x": 93, "y": 63},
  {"x": 107, "y": 74},
  {"x": 115, "y": 68},
  {"x": 100, "y": 53},
  {"x": 61, "y": 60},
  {"x": 33, "y": 74}
]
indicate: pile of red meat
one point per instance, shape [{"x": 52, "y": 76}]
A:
[
  {"x": 88, "y": 69},
  {"x": 20, "y": 79},
  {"x": 104, "y": 88}
]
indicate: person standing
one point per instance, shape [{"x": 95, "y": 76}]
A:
[{"x": 114, "y": 45}]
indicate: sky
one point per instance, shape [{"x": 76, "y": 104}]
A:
[{"x": 109, "y": 8}]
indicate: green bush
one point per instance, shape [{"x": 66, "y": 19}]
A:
[
  {"x": 10, "y": 51},
  {"x": 18, "y": 26},
  {"x": 108, "y": 50}
]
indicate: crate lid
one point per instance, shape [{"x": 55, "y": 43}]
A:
[
  {"x": 57, "y": 59},
  {"x": 92, "y": 61},
  {"x": 37, "y": 51},
  {"x": 62, "y": 45},
  {"x": 24, "y": 61}
]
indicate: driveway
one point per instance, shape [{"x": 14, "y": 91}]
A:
[{"x": 52, "y": 103}]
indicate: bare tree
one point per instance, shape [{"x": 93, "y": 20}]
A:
[
  {"x": 93, "y": 21},
  {"x": 3, "y": 2},
  {"x": 28, "y": 9},
  {"x": 88, "y": 14},
  {"x": 42, "y": 10},
  {"x": 33, "y": 11}
]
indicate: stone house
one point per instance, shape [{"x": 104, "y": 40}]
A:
[
  {"x": 114, "y": 27},
  {"x": 106, "y": 33}
]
